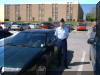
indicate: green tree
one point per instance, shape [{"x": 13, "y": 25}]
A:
[
  {"x": 50, "y": 19},
  {"x": 19, "y": 18},
  {"x": 91, "y": 16}
]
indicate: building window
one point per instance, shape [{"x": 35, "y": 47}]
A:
[
  {"x": 55, "y": 5},
  {"x": 69, "y": 5},
  {"x": 69, "y": 11},
  {"x": 17, "y": 6},
  {"x": 41, "y": 17},
  {"x": 28, "y": 6},
  {"x": 17, "y": 12},
  {"x": 41, "y": 6},
  {"x": 68, "y": 17}
]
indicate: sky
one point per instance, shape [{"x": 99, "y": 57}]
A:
[
  {"x": 87, "y": 5},
  {"x": 41, "y": 1}
]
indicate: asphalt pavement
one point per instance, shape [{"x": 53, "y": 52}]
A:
[{"x": 78, "y": 55}]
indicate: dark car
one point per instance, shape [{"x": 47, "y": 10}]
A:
[
  {"x": 94, "y": 28},
  {"x": 46, "y": 25},
  {"x": 4, "y": 34},
  {"x": 29, "y": 51},
  {"x": 55, "y": 24},
  {"x": 94, "y": 42},
  {"x": 70, "y": 26}
]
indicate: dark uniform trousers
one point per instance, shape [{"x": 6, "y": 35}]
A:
[{"x": 62, "y": 47}]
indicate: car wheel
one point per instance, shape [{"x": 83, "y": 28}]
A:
[
  {"x": 29, "y": 28},
  {"x": 41, "y": 69},
  {"x": 21, "y": 29},
  {"x": 8, "y": 28}
]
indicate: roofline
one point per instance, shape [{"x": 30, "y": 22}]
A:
[{"x": 53, "y": 2}]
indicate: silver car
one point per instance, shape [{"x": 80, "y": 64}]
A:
[
  {"x": 34, "y": 26},
  {"x": 20, "y": 26}
]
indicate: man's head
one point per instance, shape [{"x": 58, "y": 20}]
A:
[{"x": 62, "y": 23}]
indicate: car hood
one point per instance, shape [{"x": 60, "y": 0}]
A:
[
  {"x": 1, "y": 56},
  {"x": 18, "y": 57}
]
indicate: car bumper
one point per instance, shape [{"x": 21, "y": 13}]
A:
[
  {"x": 12, "y": 28},
  {"x": 81, "y": 28}
]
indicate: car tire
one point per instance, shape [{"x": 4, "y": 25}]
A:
[
  {"x": 9, "y": 29},
  {"x": 41, "y": 69},
  {"x": 21, "y": 29}
]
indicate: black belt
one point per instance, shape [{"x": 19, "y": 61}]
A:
[{"x": 61, "y": 39}]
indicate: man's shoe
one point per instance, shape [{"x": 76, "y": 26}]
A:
[{"x": 67, "y": 67}]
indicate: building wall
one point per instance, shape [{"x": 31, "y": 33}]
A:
[
  {"x": 61, "y": 11},
  {"x": 11, "y": 13},
  {"x": 41, "y": 12},
  {"x": 48, "y": 12},
  {"x": 1, "y": 13},
  {"x": 23, "y": 12}
]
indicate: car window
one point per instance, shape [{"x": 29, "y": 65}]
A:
[
  {"x": 18, "y": 58},
  {"x": 51, "y": 37},
  {"x": 4, "y": 34},
  {"x": 29, "y": 39},
  {"x": 98, "y": 43},
  {"x": 81, "y": 25}
]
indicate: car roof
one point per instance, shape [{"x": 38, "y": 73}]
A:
[{"x": 40, "y": 30}]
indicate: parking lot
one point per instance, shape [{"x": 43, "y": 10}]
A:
[{"x": 78, "y": 52}]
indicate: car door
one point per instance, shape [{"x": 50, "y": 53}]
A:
[
  {"x": 51, "y": 42},
  {"x": 98, "y": 54}
]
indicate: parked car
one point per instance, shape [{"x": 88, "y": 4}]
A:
[
  {"x": 34, "y": 26},
  {"x": 3, "y": 27},
  {"x": 94, "y": 42},
  {"x": 46, "y": 25},
  {"x": 94, "y": 28},
  {"x": 81, "y": 26},
  {"x": 8, "y": 25},
  {"x": 55, "y": 24},
  {"x": 4, "y": 34},
  {"x": 19, "y": 26},
  {"x": 28, "y": 50},
  {"x": 70, "y": 26}
]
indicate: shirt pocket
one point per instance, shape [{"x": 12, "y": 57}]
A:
[{"x": 64, "y": 32}]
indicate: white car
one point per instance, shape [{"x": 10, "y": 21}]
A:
[
  {"x": 34, "y": 26},
  {"x": 19, "y": 26}
]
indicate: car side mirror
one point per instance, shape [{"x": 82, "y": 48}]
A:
[{"x": 90, "y": 41}]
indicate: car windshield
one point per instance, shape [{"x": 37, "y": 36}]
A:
[
  {"x": 29, "y": 39},
  {"x": 46, "y": 23},
  {"x": 81, "y": 24}
]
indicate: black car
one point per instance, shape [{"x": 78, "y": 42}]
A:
[
  {"x": 4, "y": 34},
  {"x": 94, "y": 42},
  {"x": 29, "y": 51}
]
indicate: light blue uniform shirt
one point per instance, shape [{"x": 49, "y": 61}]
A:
[{"x": 62, "y": 33}]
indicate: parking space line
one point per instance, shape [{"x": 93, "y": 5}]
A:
[{"x": 81, "y": 65}]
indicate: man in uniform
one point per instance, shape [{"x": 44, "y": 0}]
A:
[{"x": 62, "y": 35}]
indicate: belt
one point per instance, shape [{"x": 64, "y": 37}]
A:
[{"x": 62, "y": 39}]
